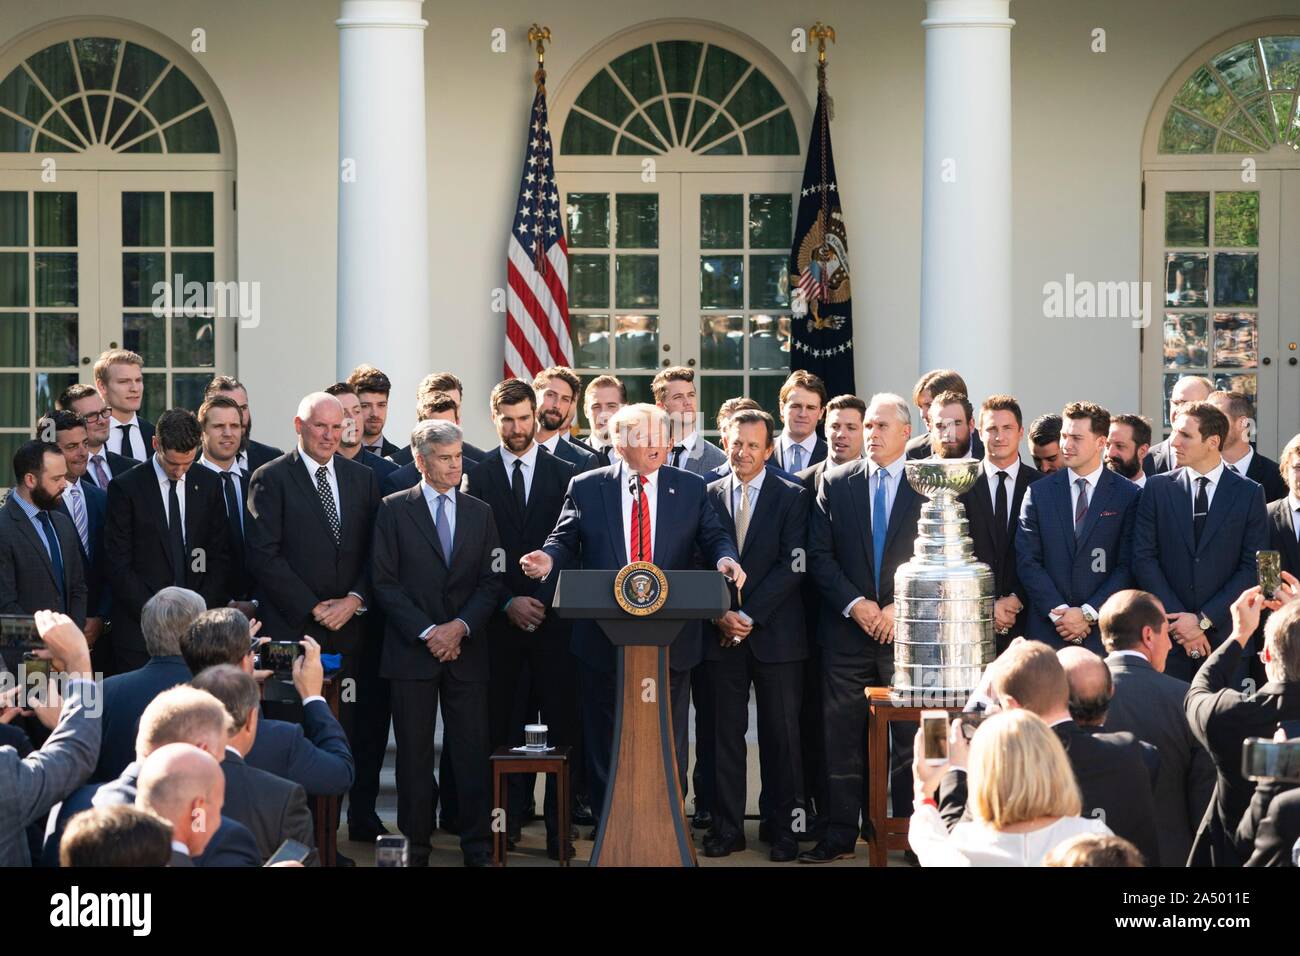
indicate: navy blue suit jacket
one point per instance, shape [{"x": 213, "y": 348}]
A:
[
  {"x": 100, "y": 596},
  {"x": 232, "y": 845},
  {"x": 589, "y": 534},
  {"x": 125, "y": 698},
  {"x": 1203, "y": 579},
  {"x": 313, "y": 754},
  {"x": 1057, "y": 568}
]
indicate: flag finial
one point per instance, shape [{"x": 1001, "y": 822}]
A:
[
  {"x": 821, "y": 33},
  {"x": 540, "y": 36}
]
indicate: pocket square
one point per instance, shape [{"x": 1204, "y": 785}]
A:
[
  {"x": 672, "y": 491},
  {"x": 1107, "y": 514}
]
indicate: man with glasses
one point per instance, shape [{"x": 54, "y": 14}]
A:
[{"x": 102, "y": 465}]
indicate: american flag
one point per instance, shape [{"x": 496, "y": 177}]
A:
[
  {"x": 537, "y": 302},
  {"x": 812, "y": 283}
]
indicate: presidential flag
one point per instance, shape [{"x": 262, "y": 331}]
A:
[
  {"x": 537, "y": 296},
  {"x": 821, "y": 334}
]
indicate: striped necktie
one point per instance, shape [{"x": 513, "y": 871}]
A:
[{"x": 78, "y": 510}]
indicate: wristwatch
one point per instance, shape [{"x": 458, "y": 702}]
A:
[
  {"x": 1089, "y": 614},
  {"x": 1206, "y": 623}
]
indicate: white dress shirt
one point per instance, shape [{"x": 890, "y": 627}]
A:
[
  {"x": 529, "y": 458},
  {"x": 431, "y": 496},
  {"x": 164, "y": 488},
  {"x": 1012, "y": 470},
  {"x": 311, "y": 464},
  {"x": 1215, "y": 475},
  {"x": 1243, "y": 465},
  {"x": 114, "y": 441},
  {"x": 211, "y": 465},
  {"x": 809, "y": 445},
  {"x": 651, "y": 491},
  {"x": 1137, "y": 654},
  {"x": 550, "y": 443},
  {"x": 688, "y": 449},
  {"x": 894, "y": 471},
  {"x": 1091, "y": 479},
  {"x": 1140, "y": 481},
  {"x": 755, "y": 486}
]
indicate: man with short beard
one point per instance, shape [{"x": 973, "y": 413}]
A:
[
  {"x": 1126, "y": 447},
  {"x": 252, "y": 454},
  {"x": 556, "y": 389},
  {"x": 951, "y": 425}
]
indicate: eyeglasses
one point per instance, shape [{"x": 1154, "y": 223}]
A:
[{"x": 100, "y": 416}]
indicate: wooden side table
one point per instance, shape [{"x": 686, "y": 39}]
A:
[
  {"x": 506, "y": 761},
  {"x": 888, "y": 833}
]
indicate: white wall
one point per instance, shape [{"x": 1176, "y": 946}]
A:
[{"x": 1077, "y": 124}]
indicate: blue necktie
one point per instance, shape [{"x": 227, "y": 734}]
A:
[
  {"x": 56, "y": 556},
  {"x": 444, "y": 527},
  {"x": 796, "y": 459},
  {"x": 879, "y": 524}
]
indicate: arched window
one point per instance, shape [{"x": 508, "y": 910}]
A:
[
  {"x": 680, "y": 155},
  {"x": 1221, "y": 202},
  {"x": 116, "y": 176}
]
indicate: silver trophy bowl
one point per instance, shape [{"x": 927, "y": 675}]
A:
[{"x": 943, "y": 597}]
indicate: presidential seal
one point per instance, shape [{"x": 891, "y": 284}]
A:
[{"x": 641, "y": 588}]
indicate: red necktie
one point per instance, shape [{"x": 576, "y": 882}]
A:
[{"x": 641, "y": 525}]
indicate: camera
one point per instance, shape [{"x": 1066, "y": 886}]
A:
[
  {"x": 19, "y": 630},
  {"x": 1278, "y": 760},
  {"x": 278, "y": 657}
]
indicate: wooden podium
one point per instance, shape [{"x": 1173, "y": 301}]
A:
[{"x": 643, "y": 821}]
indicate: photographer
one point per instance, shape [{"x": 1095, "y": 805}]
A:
[{"x": 30, "y": 786}]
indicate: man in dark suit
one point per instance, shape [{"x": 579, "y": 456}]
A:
[
  {"x": 431, "y": 406},
  {"x": 673, "y": 520},
  {"x": 166, "y": 526},
  {"x": 40, "y": 554},
  {"x": 350, "y": 446},
  {"x": 184, "y": 786},
  {"x": 252, "y": 454},
  {"x": 557, "y": 390},
  {"x": 372, "y": 390},
  {"x": 674, "y": 392},
  {"x": 952, "y": 428},
  {"x": 1127, "y": 444},
  {"x": 1074, "y": 538},
  {"x": 102, "y": 465},
  {"x": 1148, "y": 703},
  {"x": 992, "y": 507},
  {"x": 928, "y": 387},
  {"x": 760, "y": 641},
  {"x": 1222, "y": 717},
  {"x": 436, "y": 576},
  {"x": 725, "y": 411},
  {"x": 119, "y": 377},
  {"x": 1188, "y": 389},
  {"x": 273, "y": 808},
  {"x": 309, "y": 537},
  {"x": 1278, "y": 833},
  {"x": 1239, "y": 455},
  {"x": 166, "y": 616},
  {"x": 605, "y": 394},
  {"x": 1284, "y": 514},
  {"x": 1198, "y": 528},
  {"x": 223, "y": 429},
  {"x": 802, "y": 400},
  {"x": 525, "y": 489},
  {"x": 118, "y": 837},
  {"x": 1045, "y": 443},
  {"x": 861, "y": 528}
]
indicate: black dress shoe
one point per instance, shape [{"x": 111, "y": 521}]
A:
[
  {"x": 703, "y": 820},
  {"x": 716, "y": 845},
  {"x": 784, "y": 851},
  {"x": 341, "y": 860},
  {"x": 826, "y": 852},
  {"x": 481, "y": 858},
  {"x": 367, "y": 831},
  {"x": 582, "y": 815},
  {"x": 553, "y": 851},
  {"x": 815, "y": 832}
]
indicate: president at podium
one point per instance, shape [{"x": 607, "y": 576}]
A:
[{"x": 637, "y": 509}]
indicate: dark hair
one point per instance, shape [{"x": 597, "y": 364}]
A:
[
  {"x": 1091, "y": 711},
  {"x": 563, "y": 373},
  {"x": 367, "y": 378},
  {"x": 1045, "y": 429},
  {"x": 753, "y": 416},
  {"x": 1092, "y": 849},
  {"x": 802, "y": 378},
  {"x": 1239, "y": 403},
  {"x": 678, "y": 373},
  {"x": 178, "y": 429},
  {"x": 606, "y": 381},
  {"x": 74, "y": 393},
  {"x": 236, "y": 690},
  {"x": 731, "y": 406},
  {"x": 950, "y": 397},
  {"x": 1141, "y": 427},
  {"x": 223, "y": 383},
  {"x": 1125, "y": 614},
  {"x": 1005, "y": 403},
  {"x": 430, "y": 403},
  {"x": 440, "y": 382},
  {"x": 217, "y": 636},
  {"x": 29, "y": 459},
  {"x": 119, "y": 835},
  {"x": 341, "y": 388},
  {"x": 841, "y": 402},
  {"x": 62, "y": 421},
  {"x": 1098, "y": 417},
  {"x": 938, "y": 380},
  {"x": 218, "y": 401},
  {"x": 1209, "y": 420},
  {"x": 511, "y": 392}
]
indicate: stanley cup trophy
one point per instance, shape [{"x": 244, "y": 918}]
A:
[{"x": 943, "y": 597}]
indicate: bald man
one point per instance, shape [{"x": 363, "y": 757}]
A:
[
  {"x": 183, "y": 785},
  {"x": 311, "y": 513},
  {"x": 1090, "y": 685},
  {"x": 1188, "y": 389}
]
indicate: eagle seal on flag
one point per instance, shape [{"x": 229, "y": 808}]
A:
[{"x": 823, "y": 263}]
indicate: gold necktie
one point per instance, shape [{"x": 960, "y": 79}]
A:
[{"x": 742, "y": 517}]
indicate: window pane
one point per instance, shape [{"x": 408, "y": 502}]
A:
[
  {"x": 769, "y": 286},
  {"x": 1186, "y": 275},
  {"x": 680, "y": 60},
  {"x": 194, "y": 267},
  {"x": 192, "y": 219},
  {"x": 19, "y": 94},
  {"x": 56, "y": 339},
  {"x": 714, "y": 390},
  {"x": 590, "y": 340},
  {"x": 197, "y": 134},
  {"x": 13, "y": 340},
  {"x": 1187, "y": 219},
  {"x": 588, "y": 220},
  {"x": 722, "y": 221},
  {"x": 187, "y": 390},
  {"x": 141, "y": 273},
  {"x": 636, "y": 342},
  {"x": 97, "y": 58},
  {"x": 755, "y": 97},
  {"x": 50, "y": 385},
  {"x": 602, "y": 97},
  {"x": 146, "y": 335},
  {"x": 638, "y": 388},
  {"x": 722, "y": 69},
  {"x": 156, "y": 400},
  {"x": 583, "y": 136},
  {"x": 1171, "y": 378},
  {"x": 9, "y": 443},
  {"x": 721, "y": 280},
  {"x": 53, "y": 67},
  {"x": 56, "y": 219},
  {"x": 13, "y": 279},
  {"x": 637, "y": 282},
  {"x": 769, "y": 221},
  {"x": 175, "y": 95},
  {"x": 636, "y": 69},
  {"x": 1236, "y": 219},
  {"x": 638, "y": 220},
  {"x": 15, "y": 407},
  {"x": 1235, "y": 278},
  {"x": 766, "y": 390},
  {"x": 142, "y": 219},
  {"x": 1282, "y": 58},
  {"x": 1203, "y": 95},
  {"x": 589, "y": 282},
  {"x": 1247, "y": 383},
  {"x": 193, "y": 341},
  {"x": 1182, "y": 134},
  {"x": 773, "y": 137},
  {"x": 13, "y": 219},
  {"x": 140, "y": 67},
  {"x": 1236, "y": 340},
  {"x": 56, "y": 279},
  {"x": 769, "y": 341},
  {"x": 1240, "y": 69},
  {"x": 722, "y": 340},
  {"x": 1186, "y": 341}
]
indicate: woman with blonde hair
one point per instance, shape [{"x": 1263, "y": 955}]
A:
[{"x": 1023, "y": 798}]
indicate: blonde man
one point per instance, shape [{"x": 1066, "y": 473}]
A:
[{"x": 119, "y": 379}]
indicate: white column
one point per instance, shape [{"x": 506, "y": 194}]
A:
[
  {"x": 966, "y": 205},
  {"x": 383, "y": 241}
]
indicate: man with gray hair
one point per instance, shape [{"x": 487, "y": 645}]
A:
[
  {"x": 435, "y": 577},
  {"x": 861, "y": 528},
  {"x": 165, "y": 618},
  {"x": 184, "y": 786},
  {"x": 311, "y": 514}
]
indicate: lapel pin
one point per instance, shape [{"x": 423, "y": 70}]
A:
[{"x": 672, "y": 491}]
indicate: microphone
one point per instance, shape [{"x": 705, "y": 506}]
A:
[{"x": 633, "y": 483}]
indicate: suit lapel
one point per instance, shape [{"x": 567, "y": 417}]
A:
[
  {"x": 1182, "y": 504},
  {"x": 978, "y": 502},
  {"x": 308, "y": 487},
  {"x": 613, "y": 496},
  {"x": 29, "y": 532},
  {"x": 665, "y": 498},
  {"x": 762, "y": 512},
  {"x": 1220, "y": 505},
  {"x": 1285, "y": 522},
  {"x": 903, "y": 498},
  {"x": 419, "y": 509},
  {"x": 861, "y": 498},
  {"x": 1065, "y": 513},
  {"x": 494, "y": 463},
  {"x": 722, "y": 495},
  {"x": 1101, "y": 497}
]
